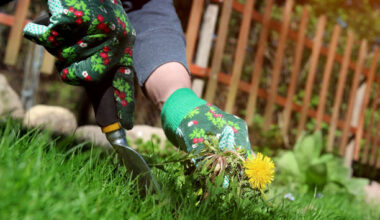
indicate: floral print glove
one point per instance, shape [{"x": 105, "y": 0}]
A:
[
  {"x": 188, "y": 121},
  {"x": 91, "y": 39},
  {"x": 207, "y": 120}
]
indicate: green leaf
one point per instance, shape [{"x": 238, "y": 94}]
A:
[
  {"x": 288, "y": 163},
  {"x": 308, "y": 148}
]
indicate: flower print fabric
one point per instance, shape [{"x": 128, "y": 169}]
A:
[{"x": 91, "y": 39}]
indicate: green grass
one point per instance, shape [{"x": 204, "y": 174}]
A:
[{"x": 43, "y": 176}]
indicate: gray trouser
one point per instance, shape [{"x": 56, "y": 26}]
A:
[{"x": 159, "y": 40}]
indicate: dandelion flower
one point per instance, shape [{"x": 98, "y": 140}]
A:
[{"x": 260, "y": 171}]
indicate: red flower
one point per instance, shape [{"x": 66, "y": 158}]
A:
[
  {"x": 51, "y": 38},
  {"x": 124, "y": 103},
  {"x": 122, "y": 70},
  {"x": 79, "y": 21},
  {"x": 125, "y": 33},
  {"x": 197, "y": 140},
  {"x": 122, "y": 95},
  {"x": 106, "y": 61},
  {"x": 101, "y": 26},
  {"x": 128, "y": 51},
  {"x": 80, "y": 42},
  {"x": 116, "y": 92},
  {"x": 235, "y": 131},
  {"x": 71, "y": 9},
  {"x": 115, "y": 2},
  {"x": 78, "y": 13},
  {"x": 106, "y": 30},
  {"x": 54, "y": 33},
  {"x": 106, "y": 49},
  {"x": 104, "y": 55},
  {"x": 195, "y": 122},
  {"x": 64, "y": 73},
  {"x": 100, "y": 18},
  {"x": 209, "y": 104}
]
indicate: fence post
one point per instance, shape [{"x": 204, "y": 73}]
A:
[
  {"x": 31, "y": 75},
  {"x": 219, "y": 50},
  {"x": 368, "y": 136},
  {"x": 370, "y": 79},
  {"x": 311, "y": 74},
  {"x": 295, "y": 70},
  {"x": 255, "y": 82},
  {"x": 339, "y": 91},
  {"x": 15, "y": 36},
  {"x": 205, "y": 43},
  {"x": 358, "y": 102},
  {"x": 352, "y": 102},
  {"x": 47, "y": 66},
  {"x": 240, "y": 55},
  {"x": 278, "y": 63},
  {"x": 192, "y": 28},
  {"x": 327, "y": 76}
]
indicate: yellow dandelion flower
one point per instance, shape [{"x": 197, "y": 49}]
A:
[{"x": 260, "y": 171}]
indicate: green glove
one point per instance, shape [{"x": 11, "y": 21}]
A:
[
  {"x": 91, "y": 39},
  {"x": 188, "y": 121}
]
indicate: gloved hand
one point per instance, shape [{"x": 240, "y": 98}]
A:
[
  {"x": 188, "y": 121},
  {"x": 91, "y": 40}
]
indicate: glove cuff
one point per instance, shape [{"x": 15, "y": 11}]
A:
[{"x": 176, "y": 107}]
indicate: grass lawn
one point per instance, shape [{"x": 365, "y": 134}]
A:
[{"x": 43, "y": 176}]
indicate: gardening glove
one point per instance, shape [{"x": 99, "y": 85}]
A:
[
  {"x": 91, "y": 39},
  {"x": 188, "y": 121}
]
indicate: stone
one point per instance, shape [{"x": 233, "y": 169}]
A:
[
  {"x": 146, "y": 133},
  {"x": 54, "y": 118},
  {"x": 373, "y": 192},
  {"x": 10, "y": 103},
  {"x": 94, "y": 134}
]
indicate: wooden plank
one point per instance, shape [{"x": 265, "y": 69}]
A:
[
  {"x": 295, "y": 69},
  {"x": 6, "y": 19},
  {"x": 205, "y": 42},
  {"x": 239, "y": 55},
  {"x": 47, "y": 66},
  {"x": 359, "y": 134},
  {"x": 206, "y": 35},
  {"x": 312, "y": 71},
  {"x": 375, "y": 143},
  {"x": 15, "y": 36},
  {"x": 193, "y": 27},
  {"x": 351, "y": 100},
  {"x": 368, "y": 136},
  {"x": 9, "y": 20},
  {"x": 219, "y": 50},
  {"x": 327, "y": 75},
  {"x": 246, "y": 87},
  {"x": 278, "y": 63},
  {"x": 262, "y": 44},
  {"x": 339, "y": 91}
]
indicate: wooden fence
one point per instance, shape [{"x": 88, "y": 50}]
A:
[{"x": 361, "y": 98}]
